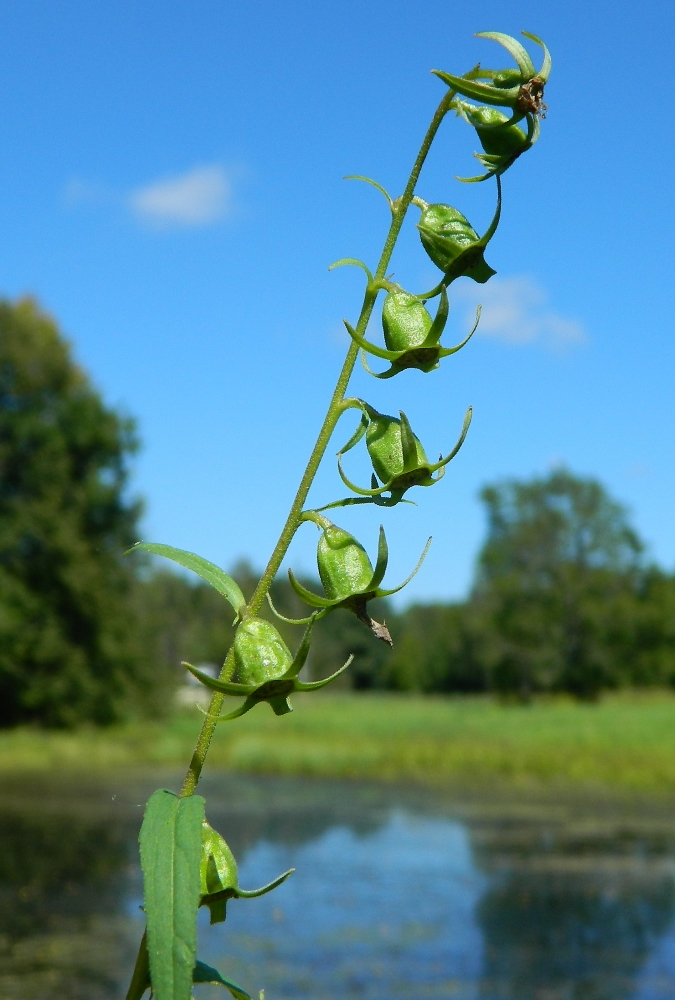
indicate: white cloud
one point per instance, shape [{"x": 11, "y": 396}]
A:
[
  {"x": 198, "y": 197},
  {"x": 515, "y": 311}
]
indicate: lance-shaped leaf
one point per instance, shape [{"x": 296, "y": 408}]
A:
[
  {"x": 140, "y": 979},
  {"x": 204, "y": 973},
  {"x": 208, "y": 571},
  {"x": 171, "y": 847}
]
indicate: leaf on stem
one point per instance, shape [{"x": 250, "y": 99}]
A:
[
  {"x": 171, "y": 846},
  {"x": 208, "y": 571},
  {"x": 204, "y": 973}
]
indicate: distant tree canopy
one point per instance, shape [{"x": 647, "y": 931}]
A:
[
  {"x": 69, "y": 646},
  {"x": 562, "y": 602},
  {"x": 558, "y": 574}
]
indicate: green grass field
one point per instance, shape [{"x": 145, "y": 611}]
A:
[{"x": 625, "y": 742}]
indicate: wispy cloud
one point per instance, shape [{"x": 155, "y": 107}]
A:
[
  {"x": 199, "y": 197},
  {"x": 516, "y": 311},
  {"x": 79, "y": 192}
]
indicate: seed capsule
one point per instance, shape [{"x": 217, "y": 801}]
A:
[
  {"x": 344, "y": 566},
  {"x": 405, "y": 321},
  {"x": 521, "y": 89},
  {"x": 453, "y": 244},
  {"x": 260, "y": 653},
  {"x": 347, "y": 574},
  {"x": 398, "y": 458},
  {"x": 495, "y": 137},
  {"x": 266, "y": 669},
  {"x": 219, "y": 879},
  {"x": 384, "y": 441}
]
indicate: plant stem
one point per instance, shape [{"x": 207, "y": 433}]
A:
[{"x": 400, "y": 207}]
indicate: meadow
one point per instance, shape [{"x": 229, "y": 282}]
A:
[{"x": 624, "y": 742}]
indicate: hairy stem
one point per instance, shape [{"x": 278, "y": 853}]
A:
[{"x": 400, "y": 207}]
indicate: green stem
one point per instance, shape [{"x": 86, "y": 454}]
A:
[{"x": 399, "y": 209}]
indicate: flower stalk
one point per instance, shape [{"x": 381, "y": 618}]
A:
[{"x": 259, "y": 668}]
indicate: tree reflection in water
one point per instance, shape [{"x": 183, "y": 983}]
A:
[
  {"x": 430, "y": 897},
  {"x": 63, "y": 881},
  {"x": 573, "y": 912}
]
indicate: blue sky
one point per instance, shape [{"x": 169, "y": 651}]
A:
[{"x": 170, "y": 190}]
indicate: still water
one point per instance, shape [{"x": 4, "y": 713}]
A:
[{"x": 398, "y": 893}]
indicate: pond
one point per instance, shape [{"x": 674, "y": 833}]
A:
[{"x": 398, "y": 892}]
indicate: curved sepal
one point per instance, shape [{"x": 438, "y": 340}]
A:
[
  {"x": 460, "y": 441},
  {"x": 475, "y": 252},
  {"x": 250, "y": 703},
  {"x": 315, "y": 685},
  {"x": 358, "y": 433},
  {"x": 447, "y": 351},
  {"x": 545, "y": 70},
  {"x": 366, "y": 345},
  {"x": 408, "y": 444},
  {"x": 225, "y": 687},
  {"x": 289, "y": 621},
  {"x": 382, "y": 560},
  {"x": 254, "y": 893},
  {"x": 440, "y": 319},
  {"x": 306, "y": 595},
  {"x": 479, "y": 91},
  {"x": 388, "y": 593},
  {"x": 520, "y": 54},
  {"x": 300, "y": 657},
  {"x": 357, "y": 489}
]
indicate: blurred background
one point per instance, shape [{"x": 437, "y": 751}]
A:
[{"x": 171, "y": 198}]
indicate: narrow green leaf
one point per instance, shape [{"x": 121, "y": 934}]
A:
[
  {"x": 208, "y": 571},
  {"x": 203, "y": 973},
  {"x": 140, "y": 980},
  {"x": 171, "y": 844}
]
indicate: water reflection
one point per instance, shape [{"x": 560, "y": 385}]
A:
[
  {"x": 573, "y": 913},
  {"x": 398, "y": 893}
]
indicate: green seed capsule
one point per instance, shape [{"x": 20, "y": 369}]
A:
[
  {"x": 385, "y": 446},
  {"x": 445, "y": 234},
  {"x": 218, "y": 869},
  {"x": 219, "y": 879},
  {"x": 344, "y": 566},
  {"x": 496, "y": 141},
  {"x": 405, "y": 321},
  {"x": 507, "y": 78},
  {"x": 260, "y": 653}
]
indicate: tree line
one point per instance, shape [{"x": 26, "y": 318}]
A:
[{"x": 564, "y": 598}]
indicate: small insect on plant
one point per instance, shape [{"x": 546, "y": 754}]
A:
[{"x": 186, "y": 863}]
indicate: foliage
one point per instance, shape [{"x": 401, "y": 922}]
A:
[
  {"x": 562, "y": 602},
  {"x": 625, "y": 740},
  {"x": 560, "y": 587},
  {"x": 67, "y": 651},
  {"x": 437, "y": 648}
]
